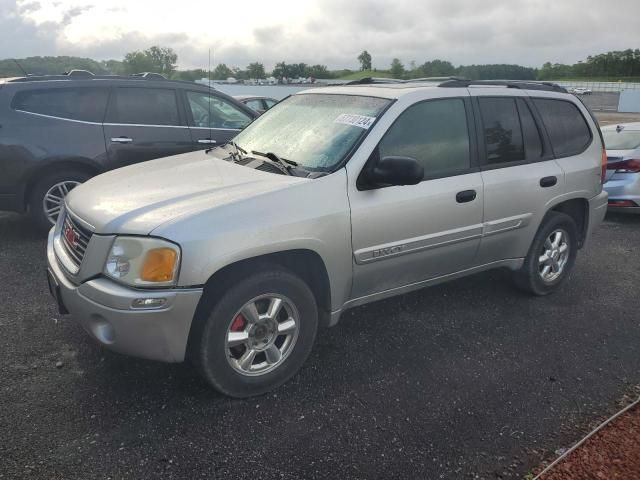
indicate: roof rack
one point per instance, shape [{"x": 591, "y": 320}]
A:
[
  {"x": 521, "y": 84},
  {"x": 79, "y": 73},
  {"x": 149, "y": 75},
  {"x": 373, "y": 80},
  {"x": 379, "y": 80}
]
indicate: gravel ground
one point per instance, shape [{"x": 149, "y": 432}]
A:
[{"x": 470, "y": 379}]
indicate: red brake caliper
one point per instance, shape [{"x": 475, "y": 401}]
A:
[{"x": 238, "y": 323}]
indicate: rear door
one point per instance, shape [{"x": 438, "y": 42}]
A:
[
  {"x": 144, "y": 123},
  {"x": 520, "y": 176},
  {"x": 213, "y": 120},
  {"x": 407, "y": 234}
]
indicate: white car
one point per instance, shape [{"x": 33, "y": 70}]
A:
[{"x": 581, "y": 91}]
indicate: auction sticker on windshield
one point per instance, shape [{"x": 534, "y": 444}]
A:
[{"x": 361, "y": 121}]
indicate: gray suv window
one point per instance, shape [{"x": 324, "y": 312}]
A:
[
  {"x": 211, "y": 111},
  {"x": 144, "y": 106},
  {"x": 502, "y": 130},
  {"x": 435, "y": 133},
  {"x": 567, "y": 128},
  {"x": 86, "y": 104}
]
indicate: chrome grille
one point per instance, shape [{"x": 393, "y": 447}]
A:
[{"x": 75, "y": 239}]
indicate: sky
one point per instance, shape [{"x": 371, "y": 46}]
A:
[{"x": 329, "y": 32}]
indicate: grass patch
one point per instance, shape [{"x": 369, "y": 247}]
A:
[{"x": 366, "y": 73}]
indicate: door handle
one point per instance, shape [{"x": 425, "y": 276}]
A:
[
  {"x": 466, "y": 196},
  {"x": 548, "y": 181},
  {"x": 207, "y": 141},
  {"x": 122, "y": 140}
]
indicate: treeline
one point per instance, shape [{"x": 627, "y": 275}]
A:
[
  {"x": 50, "y": 66},
  {"x": 612, "y": 65},
  {"x": 443, "y": 68},
  {"x": 623, "y": 63}
]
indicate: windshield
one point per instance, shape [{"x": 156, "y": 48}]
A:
[
  {"x": 624, "y": 140},
  {"x": 314, "y": 130}
]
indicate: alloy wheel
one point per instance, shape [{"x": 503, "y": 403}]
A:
[
  {"x": 554, "y": 256},
  {"x": 52, "y": 201},
  {"x": 262, "y": 334}
]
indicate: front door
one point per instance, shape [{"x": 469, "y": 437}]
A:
[
  {"x": 143, "y": 124},
  {"x": 407, "y": 234},
  {"x": 213, "y": 119}
]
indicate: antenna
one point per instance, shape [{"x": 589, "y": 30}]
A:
[
  {"x": 21, "y": 69},
  {"x": 209, "y": 102}
]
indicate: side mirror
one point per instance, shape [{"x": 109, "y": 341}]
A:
[{"x": 396, "y": 171}]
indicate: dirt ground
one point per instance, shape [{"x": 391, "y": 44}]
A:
[{"x": 611, "y": 453}]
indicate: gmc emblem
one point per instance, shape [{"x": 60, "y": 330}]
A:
[{"x": 70, "y": 235}]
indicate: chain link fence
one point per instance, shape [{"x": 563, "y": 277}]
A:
[{"x": 601, "y": 86}]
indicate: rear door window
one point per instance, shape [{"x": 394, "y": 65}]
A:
[
  {"x": 144, "y": 106},
  {"x": 567, "y": 128},
  {"x": 87, "y": 104},
  {"x": 502, "y": 130},
  {"x": 530, "y": 132}
]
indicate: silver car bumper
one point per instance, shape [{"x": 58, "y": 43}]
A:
[
  {"x": 624, "y": 187},
  {"x": 104, "y": 309}
]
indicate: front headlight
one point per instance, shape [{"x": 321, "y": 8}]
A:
[{"x": 143, "y": 261}]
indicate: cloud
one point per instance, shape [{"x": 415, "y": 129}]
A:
[{"x": 331, "y": 32}]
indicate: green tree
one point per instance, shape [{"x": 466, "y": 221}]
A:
[
  {"x": 256, "y": 70},
  {"x": 397, "y": 69},
  {"x": 365, "y": 60},
  {"x": 221, "y": 72},
  {"x": 319, "y": 71},
  {"x": 155, "y": 59}
]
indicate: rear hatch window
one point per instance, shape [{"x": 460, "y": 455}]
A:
[{"x": 567, "y": 128}]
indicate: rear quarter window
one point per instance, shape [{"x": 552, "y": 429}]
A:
[
  {"x": 85, "y": 104},
  {"x": 566, "y": 126}
]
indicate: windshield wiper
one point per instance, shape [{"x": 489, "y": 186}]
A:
[
  {"x": 238, "y": 147},
  {"x": 273, "y": 157}
]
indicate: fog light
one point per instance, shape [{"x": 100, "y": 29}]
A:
[{"x": 148, "y": 302}]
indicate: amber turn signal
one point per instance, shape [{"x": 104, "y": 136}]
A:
[{"x": 159, "y": 265}]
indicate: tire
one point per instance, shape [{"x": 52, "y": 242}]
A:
[
  {"x": 65, "y": 178},
  {"x": 530, "y": 277},
  {"x": 220, "y": 364}
]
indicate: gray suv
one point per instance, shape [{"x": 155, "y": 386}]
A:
[
  {"x": 58, "y": 131},
  {"x": 336, "y": 197}
]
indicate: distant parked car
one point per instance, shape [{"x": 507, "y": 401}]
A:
[
  {"x": 256, "y": 103},
  {"x": 623, "y": 166},
  {"x": 581, "y": 91},
  {"x": 58, "y": 131}
]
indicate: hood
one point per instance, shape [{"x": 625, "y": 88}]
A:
[{"x": 140, "y": 198}]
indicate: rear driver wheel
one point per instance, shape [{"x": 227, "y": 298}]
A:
[{"x": 551, "y": 256}]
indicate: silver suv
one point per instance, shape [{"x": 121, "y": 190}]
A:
[{"x": 336, "y": 197}]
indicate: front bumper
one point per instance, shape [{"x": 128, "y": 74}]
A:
[{"x": 103, "y": 308}]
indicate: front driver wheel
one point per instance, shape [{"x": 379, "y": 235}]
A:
[{"x": 257, "y": 335}]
